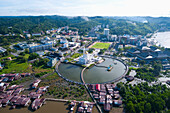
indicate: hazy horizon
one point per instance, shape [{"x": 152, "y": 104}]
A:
[{"x": 159, "y": 8}]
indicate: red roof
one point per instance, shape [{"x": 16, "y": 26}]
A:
[{"x": 98, "y": 87}]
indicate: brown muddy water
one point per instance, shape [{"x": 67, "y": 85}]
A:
[{"x": 49, "y": 107}]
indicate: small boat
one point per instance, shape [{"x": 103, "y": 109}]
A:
[{"x": 110, "y": 68}]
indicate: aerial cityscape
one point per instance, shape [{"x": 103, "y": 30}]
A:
[{"x": 84, "y": 60}]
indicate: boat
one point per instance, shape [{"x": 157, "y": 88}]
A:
[{"x": 110, "y": 68}]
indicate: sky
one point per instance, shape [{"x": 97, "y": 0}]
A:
[{"x": 153, "y": 8}]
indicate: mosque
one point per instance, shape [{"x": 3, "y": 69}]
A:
[{"x": 89, "y": 58}]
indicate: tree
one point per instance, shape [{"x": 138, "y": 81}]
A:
[
  {"x": 157, "y": 69},
  {"x": 91, "y": 50},
  {"x": 21, "y": 59},
  {"x": 147, "y": 108},
  {"x": 130, "y": 107},
  {"x": 142, "y": 62},
  {"x": 33, "y": 56},
  {"x": 26, "y": 51}
]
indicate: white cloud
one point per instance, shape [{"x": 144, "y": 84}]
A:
[{"x": 85, "y": 7}]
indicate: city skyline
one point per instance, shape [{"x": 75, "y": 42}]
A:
[{"x": 85, "y": 8}]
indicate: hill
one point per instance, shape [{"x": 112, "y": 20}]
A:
[{"x": 117, "y": 26}]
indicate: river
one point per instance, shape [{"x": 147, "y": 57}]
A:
[
  {"x": 163, "y": 38},
  {"x": 49, "y": 107}
]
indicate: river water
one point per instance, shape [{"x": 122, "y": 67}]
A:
[
  {"x": 49, "y": 107},
  {"x": 163, "y": 38}
]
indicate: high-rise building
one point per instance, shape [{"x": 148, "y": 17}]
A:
[{"x": 106, "y": 32}]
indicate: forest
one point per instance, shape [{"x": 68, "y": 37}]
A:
[
  {"x": 35, "y": 24},
  {"x": 143, "y": 98}
]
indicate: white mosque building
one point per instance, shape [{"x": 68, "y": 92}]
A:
[{"x": 88, "y": 59}]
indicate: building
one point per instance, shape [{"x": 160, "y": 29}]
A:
[
  {"x": 63, "y": 40},
  {"x": 42, "y": 47},
  {"x": 28, "y": 35},
  {"x": 22, "y": 45},
  {"x": 98, "y": 87},
  {"x": 1, "y": 66},
  {"x": 65, "y": 45},
  {"x": 2, "y": 50},
  {"x": 36, "y": 34},
  {"x": 52, "y": 62},
  {"x": 106, "y": 32},
  {"x": 47, "y": 40},
  {"x": 35, "y": 83},
  {"x": 86, "y": 58}
]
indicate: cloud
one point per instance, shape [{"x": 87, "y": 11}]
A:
[{"x": 85, "y": 7}]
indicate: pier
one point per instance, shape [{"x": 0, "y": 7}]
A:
[{"x": 101, "y": 66}]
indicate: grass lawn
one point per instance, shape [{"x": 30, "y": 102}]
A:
[
  {"x": 15, "y": 67},
  {"x": 76, "y": 55},
  {"x": 41, "y": 69},
  {"x": 12, "y": 56},
  {"x": 26, "y": 56},
  {"x": 100, "y": 45}
]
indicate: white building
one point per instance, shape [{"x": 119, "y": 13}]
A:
[
  {"x": 65, "y": 45},
  {"x": 2, "y": 50},
  {"x": 106, "y": 32},
  {"x": 42, "y": 47},
  {"x": 47, "y": 40},
  {"x": 63, "y": 40},
  {"x": 28, "y": 35},
  {"x": 89, "y": 58}
]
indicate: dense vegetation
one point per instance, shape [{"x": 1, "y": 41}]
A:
[
  {"x": 34, "y": 24},
  {"x": 149, "y": 74},
  {"x": 143, "y": 98},
  {"x": 43, "y": 23}
]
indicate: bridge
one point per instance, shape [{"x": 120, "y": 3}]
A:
[{"x": 82, "y": 79}]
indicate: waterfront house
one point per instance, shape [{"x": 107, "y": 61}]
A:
[
  {"x": 25, "y": 102},
  {"x": 101, "y": 100},
  {"x": 98, "y": 87},
  {"x": 37, "y": 103},
  {"x": 34, "y": 95},
  {"x": 116, "y": 96},
  {"x": 107, "y": 107},
  {"x": 35, "y": 83},
  {"x": 96, "y": 96},
  {"x": 117, "y": 102}
]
